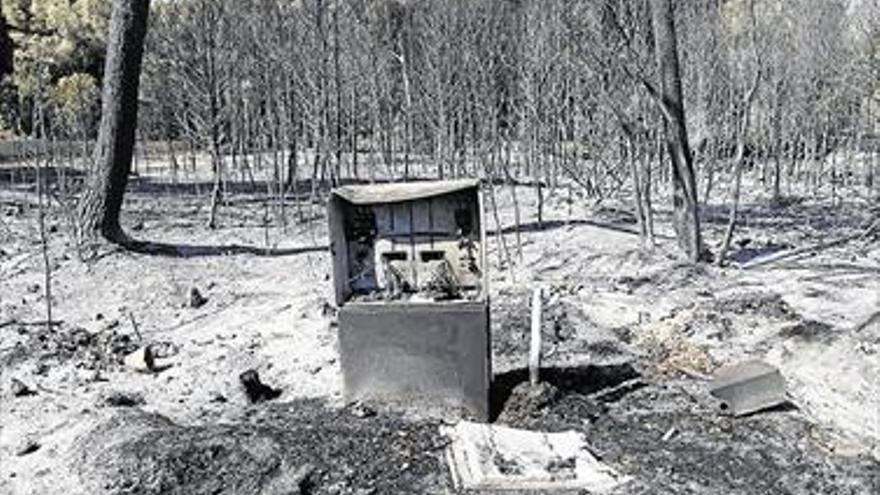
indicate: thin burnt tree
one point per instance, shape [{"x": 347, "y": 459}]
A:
[{"x": 686, "y": 220}]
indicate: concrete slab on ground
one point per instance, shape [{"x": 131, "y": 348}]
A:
[{"x": 498, "y": 458}]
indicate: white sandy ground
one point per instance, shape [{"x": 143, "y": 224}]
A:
[{"x": 267, "y": 313}]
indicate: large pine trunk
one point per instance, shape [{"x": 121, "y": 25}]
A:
[
  {"x": 685, "y": 216},
  {"x": 101, "y": 203}
]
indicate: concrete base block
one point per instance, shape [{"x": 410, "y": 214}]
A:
[{"x": 430, "y": 357}]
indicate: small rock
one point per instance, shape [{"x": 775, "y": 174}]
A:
[
  {"x": 218, "y": 398},
  {"x": 196, "y": 299},
  {"x": 123, "y": 399},
  {"x": 110, "y": 325},
  {"x": 256, "y": 390},
  {"x": 19, "y": 389},
  {"x": 96, "y": 376},
  {"x": 327, "y": 309},
  {"x": 163, "y": 350},
  {"x": 29, "y": 446},
  {"x": 360, "y": 410}
]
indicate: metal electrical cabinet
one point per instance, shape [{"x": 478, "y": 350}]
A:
[{"x": 409, "y": 272}]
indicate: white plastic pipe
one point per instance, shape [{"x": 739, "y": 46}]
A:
[{"x": 535, "y": 345}]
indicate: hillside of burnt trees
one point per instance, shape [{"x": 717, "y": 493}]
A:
[{"x": 528, "y": 92}]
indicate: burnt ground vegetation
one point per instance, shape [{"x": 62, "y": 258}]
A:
[
  {"x": 624, "y": 381},
  {"x": 666, "y": 432},
  {"x": 303, "y": 446},
  {"x": 668, "y": 436}
]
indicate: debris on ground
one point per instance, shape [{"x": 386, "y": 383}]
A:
[
  {"x": 27, "y": 446},
  {"x": 361, "y": 410},
  {"x": 256, "y": 390},
  {"x": 196, "y": 299},
  {"x": 138, "y": 452},
  {"x": 565, "y": 398},
  {"x": 748, "y": 387},
  {"x": 713, "y": 454},
  {"x": 299, "y": 447},
  {"x": 19, "y": 389},
  {"x": 141, "y": 360},
  {"x": 118, "y": 398},
  {"x": 528, "y": 401},
  {"x": 767, "y": 304},
  {"x": 70, "y": 345},
  {"x": 488, "y": 457},
  {"x": 164, "y": 349}
]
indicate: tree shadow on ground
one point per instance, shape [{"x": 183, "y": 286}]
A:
[
  {"x": 746, "y": 254},
  {"x": 146, "y": 184},
  {"x": 580, "y": 380},
  {"x": 823, "y": 271},
  {"x": 547, "y": 225},
  {"x": 50, "y": 175},
  {"x": 790, "y": 214},
  {"x": 175, "y": 250}
]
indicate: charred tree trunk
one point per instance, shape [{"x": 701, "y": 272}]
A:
[
  {"x": 777, "y": 143},
  {"x": 686, "y": 220},
  {"x": 100, "y": 206},
  {"x": 6, "y": 46}
]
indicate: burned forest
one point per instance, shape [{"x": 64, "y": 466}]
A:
[{"x": 354, "y": 247}]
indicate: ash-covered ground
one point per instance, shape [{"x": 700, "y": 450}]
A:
[{"x": 629, "y": 332}]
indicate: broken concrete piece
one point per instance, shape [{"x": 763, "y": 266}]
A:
[
  {"x": 748, "y": 387},
  {"x": 141, "y": 360},
  {"x": 487, "y": 457}
]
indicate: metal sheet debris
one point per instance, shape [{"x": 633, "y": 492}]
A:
[
  {"x": 498, "y": 458},
  {"x": 748, "y": 387}
]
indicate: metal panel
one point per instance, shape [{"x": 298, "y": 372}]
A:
[
  {"x": 400, "y": 192},
  {"x": 748, "y": 387},
  {"x": 338, "y": 250},
  {"x": 426, "y": 354}
]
